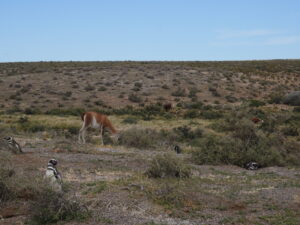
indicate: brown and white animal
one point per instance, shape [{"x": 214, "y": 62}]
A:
[
  {"x": 256, "y": 120},
  {"x": 97, "y": 121}
]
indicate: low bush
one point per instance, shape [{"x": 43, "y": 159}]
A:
[
  {"x": 130, "y": 120},
  {"x": 32, "y": 111},
  {"x": 51, "y": 207},
  {"x": 168, "y": 165},
  {"x": 243, "y": 145},
  {"x": 290, "y": 131},
  {"x": 134, "y": 98},
  {"x": 211, "y": 114},
  {"x": 179, "y": 93},
  {"x": 192, "y": 113},
  {"x": 63, "y": 112},
  {"x": 31, "y": 127},
  {"x": 231, "y": 98},
  {"x": 292, "y": 98},
  {"x": 146, "y": 138},
  {"x": 186, "y": 133},
  {"x": 275, "y": 98},
  {"x": 215, "y": 150},
  {"x": 255, "y": 103},
  {"x": 296, "y": 109}
]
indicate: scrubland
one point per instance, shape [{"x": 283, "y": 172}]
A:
[{"x": 139, "y": 179}]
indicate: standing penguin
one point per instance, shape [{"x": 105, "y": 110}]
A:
[
  {"x": 177, "y": 149},
  {"x": 13, "y": 145},
  {"x": 53, "y": 175}
]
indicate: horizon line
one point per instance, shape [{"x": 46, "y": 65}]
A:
[{"x": 239, "y": 60}]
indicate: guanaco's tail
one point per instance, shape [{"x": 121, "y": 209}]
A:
[{"x": 82, "y": 116}]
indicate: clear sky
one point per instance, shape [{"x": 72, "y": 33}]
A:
[{"x": 63, "y": 30}]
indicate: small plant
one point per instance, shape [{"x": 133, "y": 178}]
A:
[
  {"x": 276, "y": 98},
  {"x": 130, "y": 120},
  {"x": 179, "y": 93},
  {"x": 138, "y": 85},
  {"x": 256, "y": 103},
  {"x": 192, "y": 113},
  {"x": 51, "y": 207},
  {"x": 135, "y": 98},
  {"x": 231, "y": 98},
  {"x": 89, "y": 88},
  {"x": 211, "y": 114},
  {"x": 146, "y": 138},
  {"x": 214, "y": 91},
  {"x": 139, "y": 138},
  {"x": 290, "y": 131},
  {"x": 167, "y": 165},
  {"x": 296, "y": 109},
  {"x": 292, "y": 99},
  {"x": 165, "y": 86},
  {"x": 186, "y": 133},
  {"x": 102, "y": 88}
]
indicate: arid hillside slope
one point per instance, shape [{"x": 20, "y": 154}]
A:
[{"x": 49, "y": 85}]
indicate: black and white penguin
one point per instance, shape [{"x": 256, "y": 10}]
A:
[
  {"x": 53, "y": 175},
  {"x": 13, "y": 145}
]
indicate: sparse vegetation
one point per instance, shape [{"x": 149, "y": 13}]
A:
[
  {"x": 51, "y": 207},
  {"x": 210, "y": 121},
  {"x": 168, "y": 165}
]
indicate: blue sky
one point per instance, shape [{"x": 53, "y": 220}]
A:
[{"x": 63, "y": 30}]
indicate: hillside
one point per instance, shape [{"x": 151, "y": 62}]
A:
[{"x": 88, "y": 85}]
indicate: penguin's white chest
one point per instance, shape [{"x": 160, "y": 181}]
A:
[{"x": 50, "y": 174}]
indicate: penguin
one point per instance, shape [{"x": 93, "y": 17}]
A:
[
  {"x": 13, "y": 145},
  {"x": 252, "y": 166},
  {"x": 53, "y": 175},
  {"x": 177, "y": 149}
]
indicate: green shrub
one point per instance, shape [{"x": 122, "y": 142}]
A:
[
  {"x": 292, "y": 98},
  {"x": 102, "y": 88},
  {"x": 168, "y": 165},
  {"x": 23, "y": 119},
  {"x": 211, "y": 114},
  {"x": 215, "y": 150},
  {"x": 194, "y": 105},
  {"x": 73, "y": 130},
  {"x": 179, "y": 93},
  {"x": 138, "y": 85},
  {"x": 32, "y": 127},
  {"x": 89, "y": 88},
  {"x": 32, "y": 111},
  {"x": 146, "y": 138},
  {"x": 134, "y": 98},
  {"x": 290, "y": 131},
  {"x": 231, "y": 99},
  {"x": 63, "y": 112},
  {"x": 130, "y": 120},
  {"x": 255, "y": 103},
  {"x": 165, "y": 86},
  {"x": 245, "y": 144},
  {"x": 192, "y": 113},
  {"x": 275, "y": 98},
  {"x": 51, "y": 207},
  {"x": 139, "y": 138},
  {"x": 186, "y": 133},
  {"x": 296, "y": 109}
]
